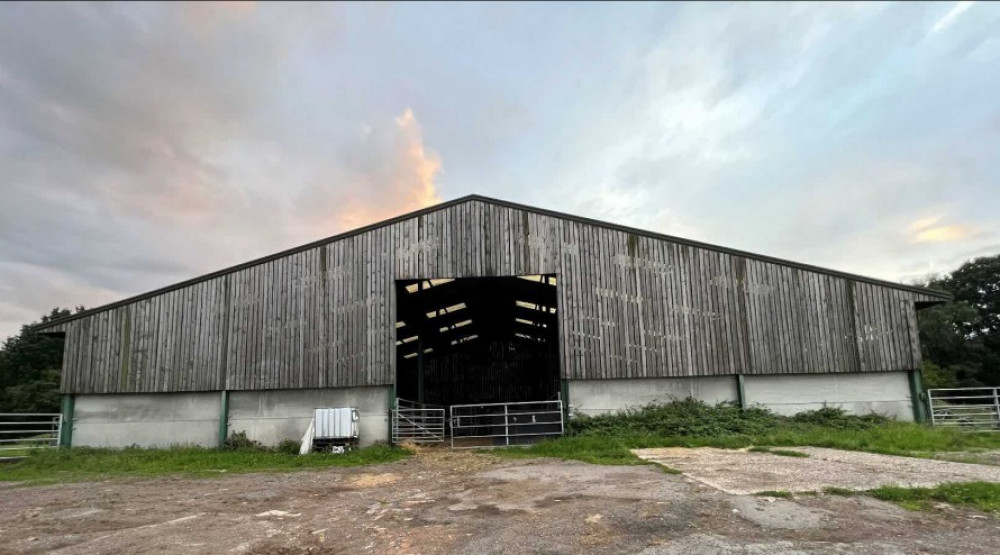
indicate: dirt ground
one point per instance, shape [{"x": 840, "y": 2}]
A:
[{"x": 446, "y": 502}]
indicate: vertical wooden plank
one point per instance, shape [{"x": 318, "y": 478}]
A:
[
  {"x": 254, "y": 319},
  {"x": 326, "y": 335},
  {"x": 756, "y": 332},
  {"x": 910, "y": 313}
]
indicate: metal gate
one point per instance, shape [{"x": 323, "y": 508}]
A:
[
  {"x": 504, "y": 424},
  {"x": 417, "y": 422},
  {"x": 20, "y": 430},
  {"x": 971, "y": 408}
]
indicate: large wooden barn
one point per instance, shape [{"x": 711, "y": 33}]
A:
[{"x": 483, "y": 301}]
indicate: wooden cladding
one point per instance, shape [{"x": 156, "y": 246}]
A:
[{"x": 629, "y": 306}]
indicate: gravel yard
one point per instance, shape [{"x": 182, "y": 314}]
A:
[{"x": 445, "y": 502}]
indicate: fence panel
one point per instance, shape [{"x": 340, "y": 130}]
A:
[
  {"x": 417, "y": 422},
  {"x": 20, "y": 430},
  {"x": 504, "y": 424},
  {"x": 970, "y": 408}
]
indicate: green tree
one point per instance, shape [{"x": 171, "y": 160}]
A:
[
  {"x": 977, "y": 283},
  {"x": 960, "y": 340},
  {"x": 936, "y": 377},
  {"x": 30, "y": 368}
]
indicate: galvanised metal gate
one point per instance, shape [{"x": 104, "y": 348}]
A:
[
  {"x": 504, "y": 424},
  {"x": 970, "y": 408},
  {"x": 417, "y": 422},
  {"x": 20, "y": 430}
]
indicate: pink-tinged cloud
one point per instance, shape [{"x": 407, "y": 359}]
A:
[
  {"x": 944, "y": 234},
  {"x": 393, "y": 173},
  {"x": 931, "y": 230}
]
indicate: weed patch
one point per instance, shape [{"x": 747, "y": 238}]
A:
[
  {"x": 775, "y": 493},
  {"x": 779, "y": 452},
  {"x": 843, "y": 492},
  {"x": 984, "y": 496}
]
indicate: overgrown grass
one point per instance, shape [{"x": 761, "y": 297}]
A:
[
  {"x": 16, "y": 452},
  {"x": 984, "y": 496},
  {"x": 607, "y": 439},
  {"x": 67, "y": 465},
  {"x": 775, "y": 493},
  {"x": 591, "y": 449}
]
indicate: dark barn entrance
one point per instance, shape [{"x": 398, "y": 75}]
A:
[
  {"x": 477, "y": 359},
  {"x": 477, "y": 340}
]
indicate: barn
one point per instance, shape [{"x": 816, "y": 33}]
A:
[{"x": 479, "y": 307}]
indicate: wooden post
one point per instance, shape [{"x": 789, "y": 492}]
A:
[
  {"x": 66, "y": 431},
  {"x": 223, "y": 417}
]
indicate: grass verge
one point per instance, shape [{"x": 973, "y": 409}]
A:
[
  {"x": 984, "y": 496},
  {"x": 79, "y": 464},
  {"x": 607, "y": 439},
  {"x": 590, "y": 449}
]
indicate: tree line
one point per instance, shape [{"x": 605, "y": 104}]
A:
[
  {"x": 960, "y": 341},
  {"x": 30, "y": 368}
]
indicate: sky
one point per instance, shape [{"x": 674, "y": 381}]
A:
[{"x": 144, "y": 144}]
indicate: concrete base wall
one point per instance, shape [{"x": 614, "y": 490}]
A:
[
  {"x": 146, "y": 420},
  {"x": 885, "y": 393},
  {"x": 271, "y": 416},
  {"x": 165, "y": 419},
  {"x": 593, "y": 397}
]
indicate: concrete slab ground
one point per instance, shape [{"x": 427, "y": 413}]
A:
[
  {"x": 465, "y": 503},
  {"x": 743, "y": 472}
]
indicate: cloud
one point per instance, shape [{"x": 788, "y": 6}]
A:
[
  {"x": 944, "y": 234},
  {"x": 818, "y": 135},
  {"x": 146, "y": 144},
  {"x": 950, "y": 17},
  {"x": 391, "y": 173}
]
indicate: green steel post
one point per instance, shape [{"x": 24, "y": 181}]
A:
[
  {"x": 392, "y": 406},
  {"x": 565, "y": 399},
  {"x": 917, "y": 397},
  {"x": 66, "y": 432},
  {"x": 223, "y": 417},
  {"x": 741, "y": 394}
]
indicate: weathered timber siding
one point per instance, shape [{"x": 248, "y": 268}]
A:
[{"x": 630, "y": 306}]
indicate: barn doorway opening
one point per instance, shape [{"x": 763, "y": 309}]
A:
[{"x": 477, "y": 340}]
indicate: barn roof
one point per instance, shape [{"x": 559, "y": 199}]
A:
[{"x": 942, "y": 295}]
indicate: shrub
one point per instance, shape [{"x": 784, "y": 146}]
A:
[
  {"x": 239, "y": 440},
  {"x": 685, "y": 418},
  {"x": 836, "y": 417},
  {"x": 288, "y": 447}
]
